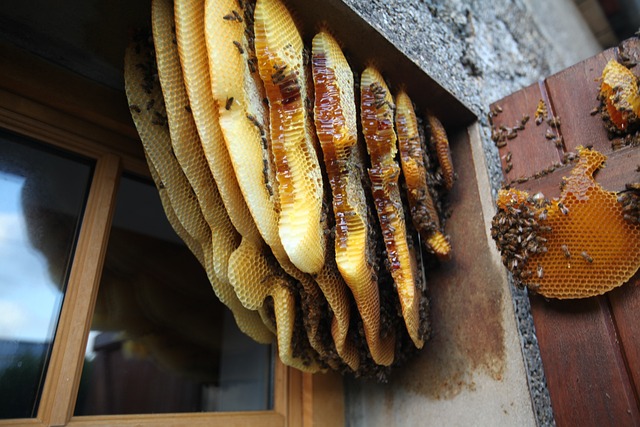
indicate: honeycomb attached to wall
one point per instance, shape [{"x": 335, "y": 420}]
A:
[
  {"x": 268, "y": 186},
  {"x": 578, "y": 246}
]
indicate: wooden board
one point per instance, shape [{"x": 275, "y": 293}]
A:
[{"x": 590, "y": 348}]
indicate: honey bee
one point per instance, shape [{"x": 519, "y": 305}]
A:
[
  {"x": 227, "y": 106},
  {"x": 595, "y": 111},
  {"x": 549, "y": 134},
  {"x": 508, "y": 168},
  {"x": 586, "y": 256},
  {"x": 238, "y": 45},
  {"x": 237, "y": 15},
  {"x": 563, "y": 208},
  {"x": 554, "y": 122},
  {"x": 566, "y": 252},
  {"x": 540, "y": 271},
  {"x": 134, "y": 108}
]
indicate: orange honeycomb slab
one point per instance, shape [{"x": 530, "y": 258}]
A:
[{"x": 584, "y": 246}]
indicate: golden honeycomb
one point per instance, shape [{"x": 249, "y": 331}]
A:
[
  {"x": 619, "y": 94},
  {"x": 423, "y": 209},
  {"x": 254, "y": 147},
  {"x": 578, "y": 246}
]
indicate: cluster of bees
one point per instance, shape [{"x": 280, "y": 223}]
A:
[
  {"x": 304, "y": 225},
  {"x": 518, "y": 232},
  {"x": 630, "y": 201}
]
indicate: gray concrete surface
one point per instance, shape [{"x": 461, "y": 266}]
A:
[{"x": 480, "y": 51}]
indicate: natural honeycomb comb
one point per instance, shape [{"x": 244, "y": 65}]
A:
[
  {"x": 189, "y": 21},
  {"x": 176, "y": 194},
  {"x": 336, "y": 126},
  {"x": 575, "y": 247},
  {"x": 619, "y": 93},
  {"x": 279, "y": 51},
  {"x": 239, "y": 176},
  {"x": 441, "y": 143},
  {"x": 185, "y": 140},
  {"x": 377, "y": 124},
  {"x": 254, "y": 277},
  {"x": 423, "y": 210},
  {"x": 239, "y": 95}
]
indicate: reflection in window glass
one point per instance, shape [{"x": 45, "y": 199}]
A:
[
  {"x": 42, "y": 196},
  {"x": 160, "y": 340}
]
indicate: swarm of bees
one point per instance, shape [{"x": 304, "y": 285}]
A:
[
  {"x": 305, "y": 228},
  {"x": 585, "y": 243}
]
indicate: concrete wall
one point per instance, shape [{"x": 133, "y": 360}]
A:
[{"x": 481, "y": 51}]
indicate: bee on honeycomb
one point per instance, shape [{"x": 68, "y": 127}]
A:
[{"x": 583, "y": 244}]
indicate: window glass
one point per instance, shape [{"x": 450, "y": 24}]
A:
[
  {"x": 160, "y": 340},
  {"x": 42, "y": 197}
]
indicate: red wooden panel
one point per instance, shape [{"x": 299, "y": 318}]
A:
[
  {"x": 625, "y": 302},
  {"x": 574, "y": 94},
  {"x": 530, "y": 150},
  {"x": 585, "y": 371},
  {"x": 590, "y": 348}
]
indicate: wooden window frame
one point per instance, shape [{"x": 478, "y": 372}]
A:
[{"x": 49, "y": 104}]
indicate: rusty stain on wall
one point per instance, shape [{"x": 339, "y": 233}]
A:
[{"x": 466, "y": 301}]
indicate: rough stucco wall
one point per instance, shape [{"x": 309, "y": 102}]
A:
[{"x": 481, "y": 51}]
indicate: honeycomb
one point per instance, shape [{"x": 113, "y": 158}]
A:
[
  {"x": 441, "y": 142},
  {"x": 178, "y": 198},
  {"x": 243, "y": 117},
  {"x": 190, "y": 37},
  {"x": 423, "y": 209},
  {"x": 377, "y": 110},
  {"x": 279, "y": 52},
  {"x": 253, "y": 145},
  {"x": 578, "y": 246},
  {"x": 336, "y": 126},
  {"x": 619, "y": 94}
]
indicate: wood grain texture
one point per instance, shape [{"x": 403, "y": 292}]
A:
[
  {"x": 574, "y": 92},
  {"x": 625, "y": 304},
  {"x": 530, "y": 150},
  {"x": 586, "y": 375},
  {"x": 589, "y": 347}
]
